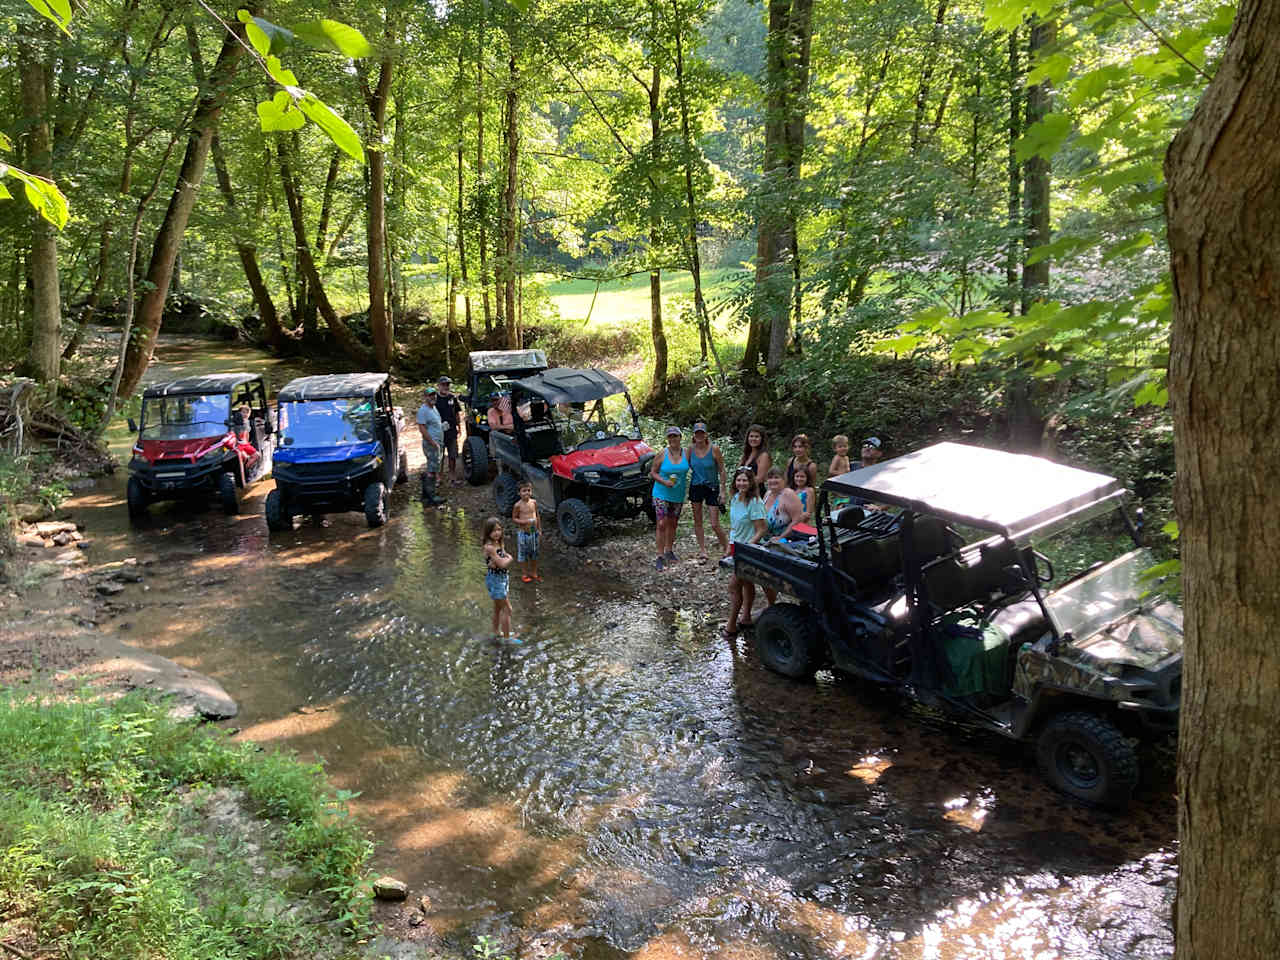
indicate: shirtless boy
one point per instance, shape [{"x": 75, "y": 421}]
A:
[{"x": 529, "y": 531}]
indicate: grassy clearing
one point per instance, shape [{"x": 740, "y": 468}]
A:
[{"x": 107, "y": 849}]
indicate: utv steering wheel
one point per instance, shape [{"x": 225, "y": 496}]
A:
[
  {"x": 1047, "y": 577},
  {"x": 614, "y": 429}
]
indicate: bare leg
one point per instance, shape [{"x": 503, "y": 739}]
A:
[
  {"x": 735, "y": 604},
  {"x": 497, "y": 616},
  {"x": 697, "y": 530},
  {"x": 719, "y": 530},
  {"x": 748, "y": 601},
  {"x": 506, "y": 618},
  {"x": 771, "y": 596}
]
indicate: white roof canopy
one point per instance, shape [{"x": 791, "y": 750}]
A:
[{"x": 1008, "y": 493}]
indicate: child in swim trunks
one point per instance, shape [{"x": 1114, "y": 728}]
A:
[{"x": 529, "y": 532}]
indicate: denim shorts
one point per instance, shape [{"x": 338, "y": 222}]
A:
[
  {"x": 526, "y": 545},
  {"x": 498, "y": 583}
]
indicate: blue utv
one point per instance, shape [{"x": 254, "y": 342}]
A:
[{"x": 339, "y": 448}]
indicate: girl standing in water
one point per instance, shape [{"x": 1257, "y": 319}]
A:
[
  {"x": 746, "y": 525},
  {"x": 496, "y": 578},
  {"x": 670, "y": 475},
  {"x": 755, "y": 454}
]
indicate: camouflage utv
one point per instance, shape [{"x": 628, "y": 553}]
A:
[{"x": 939, "y": 582}]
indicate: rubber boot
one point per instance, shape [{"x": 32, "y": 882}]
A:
[{"x": 429, "y": 492}]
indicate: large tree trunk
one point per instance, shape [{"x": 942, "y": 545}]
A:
[
  {"x": 379, "y": 322},
  {"x": 656, "y": 330},
  {"x": 510, "y": 209},
  {"x": 248, "y": 253},
  {"x": 306, "y": 263},
  {"x": 1035, "y": 276},
  {"x": 45, "y": 354},
  {"x": 462, "y": 233},
  {"x": 1012, "y": 256},
  {"x": 1223, "y": 172},
  {"x": 482, "y": 197},
  {"x": 164, "y": 251}
]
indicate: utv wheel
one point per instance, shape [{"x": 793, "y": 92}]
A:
[
  {"x": 402, "y": 468},
  {"x": 137, "y": 498},
  {"x": 375, "y": 503},
  {"x": 475, "y": 461},
  {"x": 575, "y": 520},
  {"x": 785, "y": 641},
  {"x": 278, "y": 515},
  {"x": 1085, "y": 756},
  {"x": 227, "y": 493},
  {"x": 506, "y": 491}
]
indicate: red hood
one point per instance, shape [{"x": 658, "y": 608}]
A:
[
  {"x": 621, "y": 454},
  {"x": 153, "y": 450}
]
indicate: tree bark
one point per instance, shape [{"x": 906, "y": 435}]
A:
[
  {"x": 462, "y": 233},
  {"x": 375, "y": 223},
  {"x": 656, "y": 331},
  {"x": 510, "y": 226},
  {"x": 1035, "y": 276},
  {"x": 44, "y": 357},
  {"x": 168, "y": 240},
  {"x": 306, "y": 263},
  {"x": 1223, "y": 172},
  {"x": 247, "y": 250},
  {"x": 926, "y": 78},
  {"x": 482, "y": 198}
]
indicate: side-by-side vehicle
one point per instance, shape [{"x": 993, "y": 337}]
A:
[
  {"x": 340, "y": 448},
  {"x": 938, "y": 581},
  {"x": 194, "y": 440}
]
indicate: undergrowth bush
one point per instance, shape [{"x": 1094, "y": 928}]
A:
[{"x": 96, "y": 851}]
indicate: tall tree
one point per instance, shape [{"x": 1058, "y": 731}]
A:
[
  {"x": 1035, "y": 276},
  {"x": 375, "y": 98},
  {"x": 1223, "y": 172},
  {"x": 168, "y": 240},
  {"x": 45, "y": 354}
]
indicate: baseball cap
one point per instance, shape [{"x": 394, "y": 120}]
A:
[
  {"x": 699, "y": 426},
  {"x": 444, "y": 378},
  {"x": 872, "y": 442},
  {"x": 428, "y": 391},
  {"x": 673, "y": 432}
]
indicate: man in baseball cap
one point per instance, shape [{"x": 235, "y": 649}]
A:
[
  {"x": 451, "y": 416},
  {"x": 872, "y": 452},
  {"x": 431, "y": 429}
]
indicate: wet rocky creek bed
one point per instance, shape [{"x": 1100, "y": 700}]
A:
[{"x": 625, "y": 781}]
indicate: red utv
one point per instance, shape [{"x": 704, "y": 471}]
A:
[
  {"x": 581, "y": 463},
  {"x": 196, "y": 441}
]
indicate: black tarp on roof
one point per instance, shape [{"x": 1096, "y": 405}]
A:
[
  {"x": 332, "y": 386},
  {"x": 210, "y": 383},
  {"x": 567, "y": 385}
]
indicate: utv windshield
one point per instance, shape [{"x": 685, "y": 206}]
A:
[
  {"x": 1116, "y": 589},
  {"x": 186, "y": 416},
  {"x": 580, "y": 422},
  {"x": 321, "y": 423}
]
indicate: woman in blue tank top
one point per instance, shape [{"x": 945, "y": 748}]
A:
[
  {"x": 706, "y": 465},
  {"x": 670, "y": 475}
]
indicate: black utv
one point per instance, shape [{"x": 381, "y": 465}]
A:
[{"x": 938, "y": 582}]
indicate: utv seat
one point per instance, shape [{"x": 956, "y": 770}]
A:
[
  {"x": 974, "y": 575},
  {"x": 541, "y": 440}
]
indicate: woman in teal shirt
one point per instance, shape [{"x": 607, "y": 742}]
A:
[
  {"x": 670, "y": 475},
  {"x": 746, "y": 525}
]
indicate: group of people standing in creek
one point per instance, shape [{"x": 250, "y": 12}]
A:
[{"x": 767, "y": 502}]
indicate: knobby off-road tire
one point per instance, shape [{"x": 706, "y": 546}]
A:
[
  {"x": 137, "y": 498},
  {"x": 279, "y": 517},
  {"x": 475, "y": 461},
  {"x": 375, "y": 503},
  {"x": 786, "y": 642},
  {"x": 575, "y": 520},
  {"x": 506, "y": 491},
  {"x": 1085, "y": 756},
  {"x": 228, "y": 495}
]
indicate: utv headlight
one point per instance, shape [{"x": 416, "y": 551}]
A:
[
  {"x": 213, "y": 453},
  {"x": 590, "y": 474}
]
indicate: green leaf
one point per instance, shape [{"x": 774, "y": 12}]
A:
[
  {"x": 283, "y": 76},
  {"x": 339, "y": 130},
  {"x": 5, "y": 142},
  {"x": 520, "y": 5},
  {"x": 1128, "y": 246},
  {"x": 1008, "y": 14},
  {"x": 1167, "y": 569},
  {"x": 4, "y": 193},
  {"x": 44, "y": 196},
  {"x": 1062, "y": 248},
  {"x": 260, "y": 39},
  {"x": 1043, "y": 139},
  {"x": 1053, "y": 68},
  {"x": 334, "y": 36},
  {"x": 279, "y": 114},
  {"x": 1170, "y": 530},
  {"x": 56, "y": 11},
  {"x": 1091, "y": 85}
]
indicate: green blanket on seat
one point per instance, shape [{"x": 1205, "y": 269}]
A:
[{"x": 978, "y": 654}]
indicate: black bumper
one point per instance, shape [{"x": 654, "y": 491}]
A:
[
  {"x": 332, "y": 485},
  {"x": 172, "y": 480}
]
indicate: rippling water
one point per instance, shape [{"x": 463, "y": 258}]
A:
[{"x": 624, "y": 778}]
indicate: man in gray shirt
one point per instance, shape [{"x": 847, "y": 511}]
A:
[{"x": 431, "y": 427}]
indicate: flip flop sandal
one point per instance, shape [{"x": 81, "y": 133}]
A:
[{"x": 527, "y": 579}]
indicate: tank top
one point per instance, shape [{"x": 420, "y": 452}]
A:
[
  {"x": 490, "y": 568},
  {"x": 669, "y": 469},
  {"x": 704, "y": 468},
  {"x": 774, "y": 518}
]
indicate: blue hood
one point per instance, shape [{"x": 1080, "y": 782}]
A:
[{"x": 328, "y": 453}]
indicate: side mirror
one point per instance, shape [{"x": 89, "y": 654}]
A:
[{"x": 133, "y": 427}]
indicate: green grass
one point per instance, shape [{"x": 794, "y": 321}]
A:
[{"x": 100, "y": 856}]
